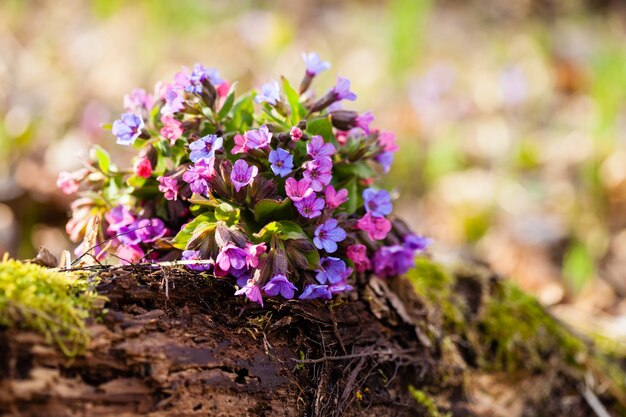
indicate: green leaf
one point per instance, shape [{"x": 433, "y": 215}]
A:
[
  {"x": 201, "y": 223},
  {"x": 272, "y": 209},
  {"x": 136, "y": 182},
  {"x": 359, "y": 169},
  {"x": 228, "y": 104},
  {"x": 313, "y": 258},
  {"x": 293, "y": 98},
  {"x": 284, "y": 230},
  {"x": 102, "y": 157},
  {"x": 227, "y": 213},
  {"x": 242, "y": 111},
  {"x": 353, "y": 196},
  {"x": 323, "y": 127}
]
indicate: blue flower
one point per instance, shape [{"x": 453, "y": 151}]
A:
[
  {"x": 313, "y": 291},
  {"x": 279, "y": 284},
  {"x": 128, "y": 128},
  {"x": 377, "y": 203},
  {"x": 328, "y": 234},
  {"x": 333, "y": 271},
  {"x": 205, "y": 147},
  {"x": 281, "y": 162},
  {"x": 270, "y": 93}
]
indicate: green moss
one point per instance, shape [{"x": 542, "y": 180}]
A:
[
  {"x": 428, "y": 402},
  {"x": 53, "y": 303}
]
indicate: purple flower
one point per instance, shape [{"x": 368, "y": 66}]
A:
[
  {"x": 194, "y": 255},
  {"x": 393, "y": 260},
  {"x": 205, "y": 147},
  {"x": 242, "y": 275},
  {"x": 174, "y": 101},
  {"x": 385, "y": 159},
  {"x": 253, "y": 253},
  {"x": 281, "y": 162},
  {"x": 341, "y": 90},
  {"x": 297, "y": 190},
  {"x": 417, "y": 243},
  {"x": 310, "y": 207},
  {"x": 364, "y": 120},
  {"x": 339, "y": 288},
  {"x": 138, "y": 100},
  {"x": 118, "y": 217},
  {"x": 192, "y": 81},
  {"x": 313, "y": 291},
  {"x": 377, "y": 203},
  {"x": 252, "y": 292},
  {"x": 333, "y": 271},
  {"x": 314, "y": 65},
  {"x": 128, "y": 128},
  {"x": 319, "y": 173},
  {"x": 279, "y": 284},
  {"x": 198, "y": 175},
  {"x": 231, "y": 256},
  {"x": 169, "y": 187},
  {"x": 257, "y": 139},
  {"x": 128, "y": 234},
  {"x": 328, "y": 234},
  {"x": 149, "y": 230},
  {"x": 317, "y": 149},
  {"x": 242, "y": 174},
  {"x": 335, "y": 198},
  {"x": 270, "y": 93}
]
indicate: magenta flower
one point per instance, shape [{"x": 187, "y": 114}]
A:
[
  {"x": 358, "y": 254},
  {"x": 118, "y": 217},
  {"x": 281, "y": 162},
  {"x": 252, "y": 292},
  {"x": 341, "y": 90},
  {"x": 364, "y": 120},
  {"x": 376, "y": 227},
  {"x": 253, "y": 252},
  {"x": 298, "y": 190},
  {"x": 258, "y": 139},
  {"x": 128, "y": 128},
  {"x": 138, "y": 100},
  {"x": 314, "y": 65},
  {"x": 231, "y": 256},
  {"x": 317, "y": 149},
  {"x": 269, "y": 93},
  {"x": 150, "y": 230},
  {"x": 205, "y": 147},
  {"x": 328, "y": 234},
  {"x": 279, "y": 284},
  {"x": 243, "y": 174},
  {"x": 310, "y": 207},
  {"x": 295, "y": 133},
  {"x": 377, "y": 203},
  {"x": 169, "y": 187},
  {"x": 319, "y": 173},
  {"x": 129, "y": 254},
  {"x": 142, "y": 167},
  {"x": 335, "y": 198},
  {"x": 198, "y": 175},
  {"x": 313, "y": 291},
  {"x": 172, "y": 129},
  {"x": 194, "y": 255},
  {"x": 333, "y": 271},
  {"x": 240, "y": 144},
  {"x": 387, "y": 141}
]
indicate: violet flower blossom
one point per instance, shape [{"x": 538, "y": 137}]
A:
[
  {"x": 313, "y": 291},
  {"x": 298, "y": 190},
  {"x": 281, "y": 162},
  {"x": 269, "y": 93},
  {"x": 377, "y": 202},
  {"x": 333, "y": 271},
  {"x": 328, "y": 234},
  {"x": 198, "y": 175},
  {"x": 252, "y": 292},
  {"x": 279, "y": 284},
  {"x": 243, "y": 174},
  {"x": 319, "y": 172},
  {"x": 128, "y": 128},
  {"x": 169, "y": 187},
  {"x": 205, "y": 147}
]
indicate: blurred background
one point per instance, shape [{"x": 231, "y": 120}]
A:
[{"x": 511, "y": 116}]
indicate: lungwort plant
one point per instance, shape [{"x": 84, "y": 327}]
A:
[{"x": 273, "y": 188}]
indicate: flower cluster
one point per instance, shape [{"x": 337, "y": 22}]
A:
[{"x": 272, "y": 189}]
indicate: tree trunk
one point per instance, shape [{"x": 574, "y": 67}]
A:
[{"x": 174, "y": 343}]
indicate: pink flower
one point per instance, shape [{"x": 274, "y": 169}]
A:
[
  {"x": 335, "y": 198},
  {"x": 253, "y": 253},
  {"x": 317, "y": 149},
  {"x": 298, "y": 190},
  {"x": 243, "y": 174},
  {"x": 295, "y": 133},
  {"x": 240, "y": 145},
  {"x": 172, "y": 129},
  {"x": 364, "y": 120},
  {"x": 387, "y": 140},
  {"x": 310, "y": 207},
  {"x": 169, "y": 187},
  {"x": 129, "y": 254},
  {"x": 358, "y": 254},
  {"x": 67, "y": 182},
  {"x": 252, "y": 292},
  {"x": 376, "y": 227},
  {"x": 142, "y": 168},
  {"x": 223, "y": 88}
]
